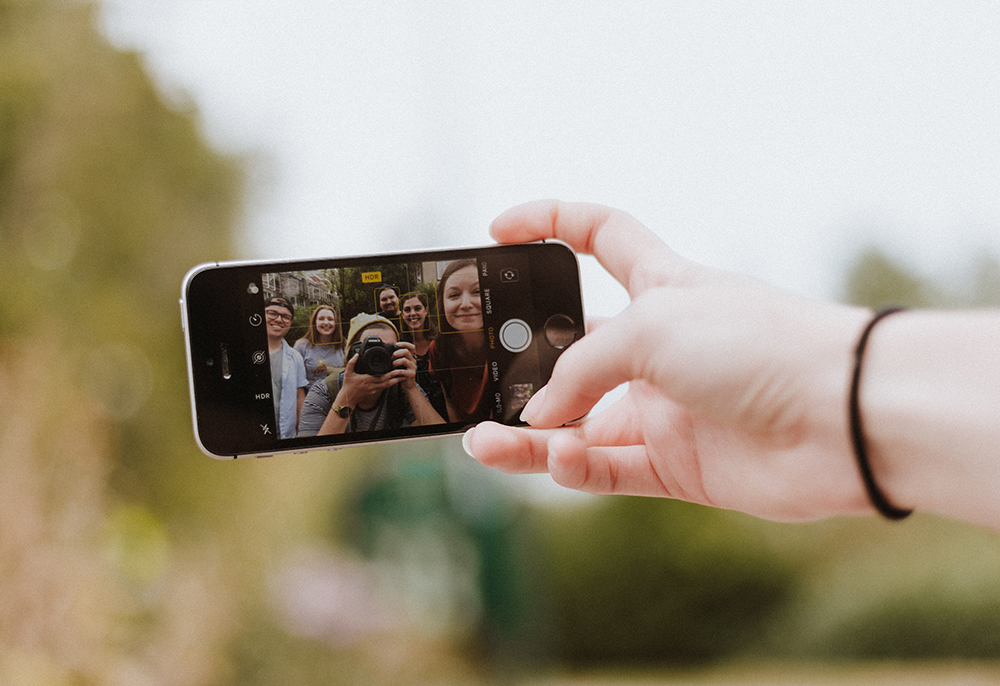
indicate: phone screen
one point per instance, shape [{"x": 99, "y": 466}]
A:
[{"x": 414, "y": 344}]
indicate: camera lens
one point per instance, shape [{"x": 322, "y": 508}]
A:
[{"x": 377, "y": 361}]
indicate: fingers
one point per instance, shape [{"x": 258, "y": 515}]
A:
[
  {"x": 608, "y": 356},
  {"x": 404, "y": 360},
  {"x": 568, "y": 458},
  {"x": 601, "y": 470},
  {"x": 633, "y": 254},
  {"x": 366, "y": 384},
  {"x": 509, "y": 449},
  {"x": 392, "y": 378},
  {"x": 520, "y": 450}
]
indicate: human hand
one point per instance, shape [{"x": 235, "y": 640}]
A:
[
  {"x": 737, "y": 391},
  {"x": 406, "y": 365},
  {"x": 356, "y": 388}
]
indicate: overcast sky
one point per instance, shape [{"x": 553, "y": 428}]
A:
[{"x": 774, "y": 138}]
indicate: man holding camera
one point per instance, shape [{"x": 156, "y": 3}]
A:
[{"x": 376, "y": 390}]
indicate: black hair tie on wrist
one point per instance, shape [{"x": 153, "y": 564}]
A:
[{"x": 875, "y": 494}]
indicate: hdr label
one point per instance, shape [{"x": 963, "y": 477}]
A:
[{"x": 371, "y": 277}]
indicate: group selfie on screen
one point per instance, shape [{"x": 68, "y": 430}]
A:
[{"x": 413, "y": 357}]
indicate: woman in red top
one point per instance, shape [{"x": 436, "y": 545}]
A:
[{"x": 458, "y": 355}]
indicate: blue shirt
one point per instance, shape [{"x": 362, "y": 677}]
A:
[{"x": 293, "y": 377}]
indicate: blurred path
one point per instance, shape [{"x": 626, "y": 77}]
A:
[{"x": 878, "y": 674}]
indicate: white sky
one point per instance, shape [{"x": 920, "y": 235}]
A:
[{"x": 769, "y": 137}]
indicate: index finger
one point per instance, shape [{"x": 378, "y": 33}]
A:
[{"x": 630, "y": 252}]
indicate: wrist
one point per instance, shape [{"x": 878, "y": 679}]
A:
[
  {"x": 820, "y": 367},
  {"x": 344, "y": 399}
]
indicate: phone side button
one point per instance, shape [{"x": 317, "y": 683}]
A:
[{"x": 260, "y": 456}]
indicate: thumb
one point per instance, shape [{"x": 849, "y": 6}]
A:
[{"x": 594, "y": 365}]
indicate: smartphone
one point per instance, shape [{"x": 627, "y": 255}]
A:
[{"x": 293, "y": 356}]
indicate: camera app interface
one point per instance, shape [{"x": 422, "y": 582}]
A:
[{"x": 389, "y": 347}]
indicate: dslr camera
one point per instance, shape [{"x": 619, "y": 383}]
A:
[{"x": 374, "y": 356}]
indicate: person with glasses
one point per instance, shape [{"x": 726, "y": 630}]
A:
[{"x": 288, "y": 370}]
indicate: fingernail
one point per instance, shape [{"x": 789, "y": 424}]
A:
[
  {"x": 531, "y": 410},
  {"x": 467, "y": 442}
]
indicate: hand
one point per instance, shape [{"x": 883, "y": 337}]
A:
[
  {"x": 406, "y": 365},
  {"x": 361, "y": 388},
  {"x": 737, "y": 391}
]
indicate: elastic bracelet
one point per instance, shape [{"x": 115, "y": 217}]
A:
[{"x": 875, "y": 494}]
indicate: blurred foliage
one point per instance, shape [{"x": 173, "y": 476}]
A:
[
  {"x": 985, "y": 290},
  {"x": 107, "y": 196},
  {"x": 875, "y": 279},
  {"x": 643, "y": 580},
  {"x": 126, "y": 556},
  {"x": 458, "y": 550},
  {"x": 868, "y": 590}
]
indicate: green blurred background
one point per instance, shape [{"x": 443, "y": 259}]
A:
[{"x": 127, "y": 557}]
